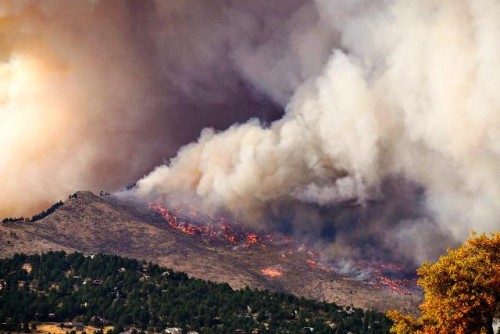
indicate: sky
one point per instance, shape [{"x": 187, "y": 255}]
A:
[{"x": 363, "y": 126}]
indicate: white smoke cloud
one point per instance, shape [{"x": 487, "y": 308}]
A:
[
  {"x": 383, "y": 89},
  {"x": 344, "y": 189}
]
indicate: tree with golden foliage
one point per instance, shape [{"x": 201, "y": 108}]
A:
[{"x": 461, "y": 291}]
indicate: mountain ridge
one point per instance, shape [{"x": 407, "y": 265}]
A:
[{"x": 91, "y": 223}]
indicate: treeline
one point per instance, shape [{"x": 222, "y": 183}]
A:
[
  {"x": 35, "y": 217},
  {"x": 103, "y": 289}
]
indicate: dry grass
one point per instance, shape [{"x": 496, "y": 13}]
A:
[{"x": 55, "y": 329}]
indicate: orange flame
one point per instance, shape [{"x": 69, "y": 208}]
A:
[
  {"x": 272, "y": 272},
  {"x": 218, "y": 227}
]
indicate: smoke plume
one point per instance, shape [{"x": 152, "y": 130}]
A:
[
  {"x": 382, "y": 90},
  {"x": 366, "y": 126}
]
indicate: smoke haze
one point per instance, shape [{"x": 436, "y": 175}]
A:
[
  {"x": 368, "y": 126},
  {"x": 94, "y": 94}
]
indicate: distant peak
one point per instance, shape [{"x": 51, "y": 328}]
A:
[{"x": 83, "y": 194}]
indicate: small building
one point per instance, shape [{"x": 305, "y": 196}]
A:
[
  {"x": 144, "y": 277},
  {"x": 27, "y": 267},
  {"x": 67, "y": 325},
  {"x": 131, "y": 330},
  {"x": 78, "y": 326},
  {"x": 173, "y": 330},
  {"x": 331, "y": 324},
  {"x": 100, "y": 320}
]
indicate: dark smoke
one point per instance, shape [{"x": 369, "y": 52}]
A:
[{"x": 369, "y": 128}]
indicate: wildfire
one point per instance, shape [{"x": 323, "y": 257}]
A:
[
  {"x": 202, "y": 226},
  {"x": 386, "y": 276},
  {"x": 272, "y": 272},
  {"x": 378, "y": 274}
]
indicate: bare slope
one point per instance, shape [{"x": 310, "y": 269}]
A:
[{"x": 91, "y": 224}]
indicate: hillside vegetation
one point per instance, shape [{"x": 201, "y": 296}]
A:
[{"x": 107, "y": 289}]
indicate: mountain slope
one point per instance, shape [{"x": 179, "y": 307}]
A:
[{"x": 92, "y": 224}]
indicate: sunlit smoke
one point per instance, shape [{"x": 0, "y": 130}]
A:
[
  {"x": 62, "y": 106},
  {"x": 94, "y": 94}
]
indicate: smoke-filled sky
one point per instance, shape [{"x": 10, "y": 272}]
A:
[{"x": 293, "y": 109}]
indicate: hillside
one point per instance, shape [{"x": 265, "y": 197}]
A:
[
  {"x": 105, "y": 290},
  {"x": 93, "y": 224}
]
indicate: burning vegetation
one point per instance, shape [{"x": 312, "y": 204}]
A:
[
  {"x": 210, "y": 228},
  {"x": 272, "y": 272},
  {"x": 231, "y": 233},
  {"x": 390, "y": 276}
]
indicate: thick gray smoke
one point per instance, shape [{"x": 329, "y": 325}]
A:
[
  {"x": 373, "y": 124},
  {"x": 374, "y": 91}
]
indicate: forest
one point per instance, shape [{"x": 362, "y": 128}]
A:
[{"x": 103, "y": 290}]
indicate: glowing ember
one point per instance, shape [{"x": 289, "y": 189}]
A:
[
  {"x": 312, "y": 264},
  {"x": 272, "y": 272},
  {"x": 252, "y": 238}
]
